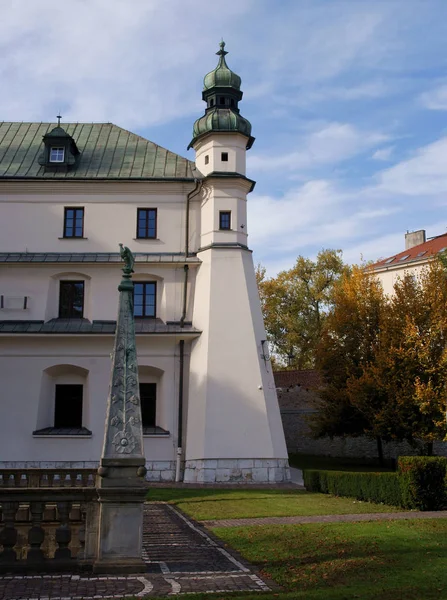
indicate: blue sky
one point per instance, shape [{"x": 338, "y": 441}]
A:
[{"x": 348, "y": 102}]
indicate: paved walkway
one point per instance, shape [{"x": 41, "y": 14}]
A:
[
  {"x": 442, "y": 514},
  {"x": 180, "y": 557}
]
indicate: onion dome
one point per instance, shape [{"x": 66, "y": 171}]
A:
[
  {"x": 222, "y": 76},
  {"x": 222, "y": 93}
]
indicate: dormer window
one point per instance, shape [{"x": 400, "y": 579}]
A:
[
  {"x": 60, "y": 153},
  {"x": 57, "y": 155}
]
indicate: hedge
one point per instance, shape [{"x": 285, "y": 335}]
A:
[
  {"x": 419, "y": 483},
  {"x": 371, "y": 487},
  {"x": 422, "y": 482}
]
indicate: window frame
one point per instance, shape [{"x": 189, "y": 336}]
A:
[
  {"x": 144, "y": 315},
  {"x": 57, "y": 148},
  {"x": 81, "y": 399},
  {"x": 147, "y": 237},
  {"x": 75, "y": 209},
  {"x": 63, "y": 282},
  {"x": 221, "y": 214}
]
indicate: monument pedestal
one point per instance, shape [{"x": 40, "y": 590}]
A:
[{"x": 120, "y": 531}]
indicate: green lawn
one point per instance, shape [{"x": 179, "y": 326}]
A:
[
  {"x": 389, "y": 560},
  {"x": 203, "y": 504},
  {"x": 329, "y": 463}
]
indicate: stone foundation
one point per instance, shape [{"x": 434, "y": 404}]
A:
[
  {"x": 237, "y": 470},
  {"x": 222, "y": 470}
]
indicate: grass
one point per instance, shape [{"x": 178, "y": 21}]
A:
[
  {"x": 329, "y": 463},
  {"x": 390, "y": 560},
  {"x": 212, "y": 504}
]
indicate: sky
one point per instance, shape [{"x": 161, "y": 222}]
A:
[{"x": 347, "y": 100}]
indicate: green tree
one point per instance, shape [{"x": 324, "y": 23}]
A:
[{"x": 295, "y": 303}]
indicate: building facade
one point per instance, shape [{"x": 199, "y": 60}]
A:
[
  {"x": 417, "y": 254},
  {"x": 69, "y": 194}
]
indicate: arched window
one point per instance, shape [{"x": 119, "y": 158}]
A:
[{"x": 63, "y": 401}]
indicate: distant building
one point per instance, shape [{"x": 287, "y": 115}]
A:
[
  {"x": 417, "y": 254},
  {"x": 69, "y": 193}
]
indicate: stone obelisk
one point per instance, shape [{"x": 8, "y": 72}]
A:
[{"x": 120, "y": 482}]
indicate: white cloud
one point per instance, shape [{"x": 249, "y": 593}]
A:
[
  {"x": 383, "y": 153},
  {"x": 435, "y": 99},
  {"x": 330, "y": 144},
  {"x": 423, "y": 175},
  {"x": 315, "y": 215}
]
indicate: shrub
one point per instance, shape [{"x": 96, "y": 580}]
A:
[
  {"x": 422, "y": 480},
  {"x": 371, "y": 487}
]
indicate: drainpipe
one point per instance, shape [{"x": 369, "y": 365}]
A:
[
  {"x": 180, "y": 412},
  {"x": 195, "y": 191}
]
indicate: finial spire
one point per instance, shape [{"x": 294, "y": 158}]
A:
[
  {"x": 58, "y": 117},
  {"x": 222, "y": 50}
]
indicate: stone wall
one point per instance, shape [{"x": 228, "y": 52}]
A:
[{"x": 297, "y": 404}]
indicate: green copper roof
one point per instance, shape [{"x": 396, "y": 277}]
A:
[
  {"x": 106, "y": 152},
  {"x": 222, "y": 94},
  {"x": 221, "y": 119},
  {"x": 221, "y": 76}
]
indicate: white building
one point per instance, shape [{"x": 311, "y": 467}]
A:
[
  {"x": 68, "y": 195},
  {"x": 417, "y": 254}
]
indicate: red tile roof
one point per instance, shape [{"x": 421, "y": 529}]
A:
[
  {"x": 419, "y": 252},
  {"x": 308, "y": 378}
]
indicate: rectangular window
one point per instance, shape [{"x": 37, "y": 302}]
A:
[
  {"x": 68, "y": 406},
  {"x": 74, "y": 223},
  {"x": 57, "y": 155},
  {"x": 71, "y": 300},
  {"x": 146, "y": 223},
  {"x": 224, "y": 156},
  {"x": 148, "y": 397},
  {"x": 225, "y": 219},
  {"x": 145, "y": 299}
]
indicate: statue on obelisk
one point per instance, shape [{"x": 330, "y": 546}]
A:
[{"x": 120, "y": 482}]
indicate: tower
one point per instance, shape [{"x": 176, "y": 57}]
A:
[{"x": 234, "y": 429}]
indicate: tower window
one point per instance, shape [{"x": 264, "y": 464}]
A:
[
  {"x": 68, "y": 406},
  {"x": 71, "y": 300},
  {"x": 232, "y": 102},
  {"x": 147, "y": 223},
  {"x": 225, "y": 219},
  {"x": 57, "y": 155},
  {"x": 224, "y": 156},
  {"x": 74, "y": 223},
  {"x": 207, "y": 159},
  {"x": 211, "y": 102},
  {"x": 144, "y": 298},
  {"x": 222, "y": 101}
]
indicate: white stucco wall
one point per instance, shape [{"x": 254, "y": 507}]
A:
[
  {"x": 33, "y": 216},
  {"x": 27, "y": 401},
  {"x": 213, "y": 145},
  {"x": 389, "y": 276}
]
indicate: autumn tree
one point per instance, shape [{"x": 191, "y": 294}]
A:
[
  {"x": 412, "y": 364},
  {"x": 385, "y": 359},
  {"x": 295, "y": 303},
  {"x": 348, "y": 344}
]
